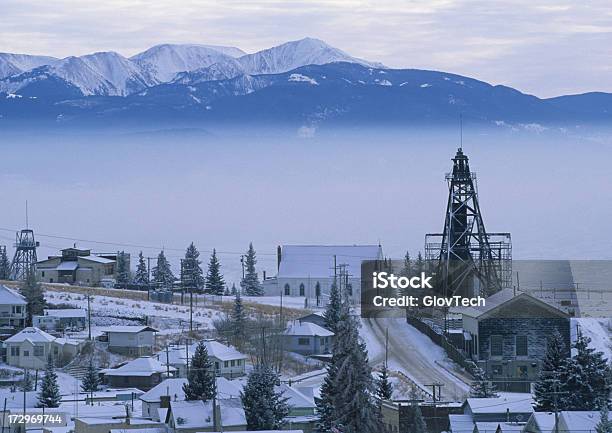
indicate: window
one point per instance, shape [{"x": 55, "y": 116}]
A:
[
  {"x": 26, "y": 353},
  {"x": 497, "y": 345},
  {"x": 233, "y": 363},
  {"x": 43, "y": 273},
  {"x": 521, "y": 345},
  {"x": 497, "y": 370},
  {"x": 522, "y": 371},
  {"x": 304, "y": 341},
  {"x": 287, "y": 290},
  {"x": 302, "y": 289},
  {"x": 216, "y": 365},
  {"x": 39, "y": 351},
  {"x": 14, "y": 350},
  {"x": 225, "y": 364}
]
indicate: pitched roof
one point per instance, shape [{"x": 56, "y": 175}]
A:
[
  {"x": 506, "y": 427},
  {"x": 461, "y": 423},
  {"x": 128, "y": 329},
  {"x": 515, "y": 402},
  {"x": 317, "y": 261},
  {"x": 144, "y": 366},
  {"x": 199, "y": 414},
  {"x": 579, "y": 420},
  {"x": 174, "y": 388},
  {"x": 222, "y": 352},
  {"x": 96, "y": 259},
  {"x": 504, "y": 298},
  {"x": 32, "y": 334},
  {"x": 298, "y": 328},
  {"x": 544, "y": 420},
  {"x": 66, "y": 312},
  {"x": 10, "y": 297},
  {"x": 296, "y": 399}
]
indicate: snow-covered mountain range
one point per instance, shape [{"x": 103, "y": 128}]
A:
[{"x": 111, "y": 74}]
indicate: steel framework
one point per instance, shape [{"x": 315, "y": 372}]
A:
[
  {"x": 469, "y": 260},
  {"x": 24, "y": 260}
]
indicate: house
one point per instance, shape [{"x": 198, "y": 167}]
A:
[
  {"x": 499, "y": 427},
  {"x": 78, "y": 266},
  {"x": 142, "y": 373},
  {"x": 316, "y": 318},
  {"x": 540, "y": 422},
  {"x": 226, "y": 360},
  {"x": 461, "y": 423},
  {"x": 61, "y": 319},
  {"x": 308, "y": 270},
  {"x": 12, "y": 309},
  {"x": 508, "y": 407},
  {"x": 172, "y": 390},
  {"x": 31, "y": 347},
  {"x": 130, "y": 340},
  {"x": 105, "y": 418},
  {"x": 578, "y": 421},
  {"x": 197, "y": 416},
  {"x": 307, "y": 338},
  {"x": 507, "y": 337}
]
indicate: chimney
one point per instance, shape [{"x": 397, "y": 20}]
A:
[
  {"x": 164, "y": 401},
  {"x": 278, "y": 257}
]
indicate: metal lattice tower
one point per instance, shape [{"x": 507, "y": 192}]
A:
[
  {"x": 469, "y": 260},
  {"x": 24, "y": 260}
]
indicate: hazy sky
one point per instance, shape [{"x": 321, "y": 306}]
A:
[{"x": 538, "y": 46}]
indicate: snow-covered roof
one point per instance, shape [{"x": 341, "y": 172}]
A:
[
  {"x": 461, "y": 423},
  {"x": 144, "y": 366},
  {"x": 67, "y": 266},
  {"x": 96, "y": 259},
  {"x": 580, "y": 420},
  {"x": 545, "y": 421},
  {"x": 505, "y": 297},
  {"x": 505, "y": 427},
  {"x": 199, "y": 414},
  {"x": 174, "y": 388},
  {"x": 10, "y": 297},
  {"x": 298, "y": 328},
  {"x": 222, "y": 352},
  {"x": 515, "y": 402},
  {"x": 296, "y": 399},
  {"x": 317, "y": 261},
  {"x": 139, "y": 430},
  {"x": 14, "y": 400},
  {"x": 32, "y": 334},
  {"x": 66, "y": 312},
  {"x": 127, "y": 329}
]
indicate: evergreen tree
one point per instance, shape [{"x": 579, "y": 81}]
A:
[
  {"x": 142, "y": 274},
  {"x": 419, "y": 266},
  {"x": 265, "y": 408},
  {"x": 250, "y": 283},
  {"x": 49, "y": 391},
  {"x": 604, "y": 425},
  {"x": 347, "y": 395},
  {"x": 34, "y": 296},
  {"x": 192, "y": 276},
  {"x": 385, "y": 388},
  {"x": 407, "y": 269},
  {"x": 26, "y": 383},
  {"x": 332, "y": 311},
  {"x": 162, "y": 274},
  {"x": 91, "y": 381},
  {"x": 5, "y": 265},
  {"x": 238, "y": 319},
  {"x": 415, "y": 420},
  {"x": 123, "y": 270},
  {"x": 482, "y": 386},
  {"x": 234, "y": 290},
  {"x": 201, "y": 383},
  {"x": 215, "y": 283},
  {"x": 587, "y": 378},
  {"x": 552, "y": 373}
]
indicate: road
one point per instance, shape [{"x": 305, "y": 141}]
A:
[{"x": 415, "y": 355}]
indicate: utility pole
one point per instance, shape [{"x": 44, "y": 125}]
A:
[
  {"x": 187, "y": 355},
  {"x": 167, "y": 362},
  {"x": 242, "y": 265},
  {"x": 89, "y": 316}
]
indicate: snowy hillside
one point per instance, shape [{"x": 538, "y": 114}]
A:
[{"x": 13, "y": 64}]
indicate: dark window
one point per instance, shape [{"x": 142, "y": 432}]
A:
[
  {"x": 497, "y": 370},
  {"x": 304, "y": 341},
  {"x": 521, "y": 345},
  {"x": 497, "y": 345},
  {"x": 287, "y": 290},
  {"x": 302, "y": 289},
  {"x": 39, "y": 351},
  {"x": 43, "y": 273},
  {"x": 522, "y": 370}
]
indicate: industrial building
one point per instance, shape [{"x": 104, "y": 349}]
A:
[{"x": 78, "y": 266}]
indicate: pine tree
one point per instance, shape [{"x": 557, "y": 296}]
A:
[
  {"x": 49, "y": 391},
  {"x": 123, "y": 270},
  {"x": 142, "y": 274},
  {"x": 346, "y": 400},
  {"x": 407, "y": 269},
  {"x": 91, "y": 381},
  {"x": 238, "y": 319},
  {"x": 26, "y": 383},
  {"x": 265, "y": 408},
  {"x": 162, "y": 274},
  {"x": 385, "y": 388},
  {"x": 34, "y": 296},
  {"x": 332, "y": 311},
  {"x": 5, "y": 265},
  {"x": 587, "y": 378},
  {"x": 552, "y": 372},
  {"x": 419, "y": 266},
  {"x": 234, "y": 290},
  {"x": 215, "y": 283},
  {"x": 201, "y": 383},
  {"x": 604, "y": 425},
  {"x": 250, "y": 283},
  {"x": 482, "y": 386},
  {"x": 192, "y": 276}
]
